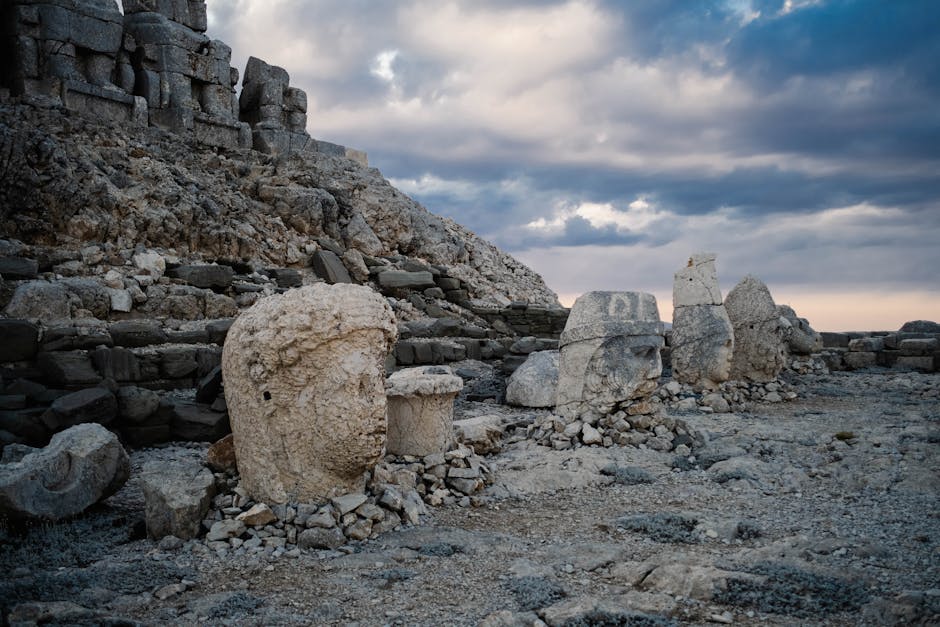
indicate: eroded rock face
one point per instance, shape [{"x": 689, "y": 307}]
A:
[
  {"x": 78, "y": 468},
  {"x": 702, "y": 335},
  {"x": 803, "y": 339},
  {"x": 305, "y": 389},
  {"x": 759, "y": 334},
  {"x": 609, "y": 353},
  {"x": 421, "y": 410}
]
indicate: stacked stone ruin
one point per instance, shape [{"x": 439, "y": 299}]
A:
[{"x": 154, "y": 65}]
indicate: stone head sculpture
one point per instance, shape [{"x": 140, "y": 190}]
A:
[
  {"x": 610, "y": 352},
  {"x": 305, "y": 387}
]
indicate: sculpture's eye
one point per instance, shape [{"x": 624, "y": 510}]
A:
[{"x": 267, "y": 395}]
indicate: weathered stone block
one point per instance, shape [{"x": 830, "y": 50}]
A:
[
  {"x": 90, "y": 405},
  {"x": 402, "y": 279},
  {"x": 421, "y": 410},
  {"x": 867, "y": 344},
  {"x": 196, "y": 422},
  {"x": 135, "y": 333},
  {"x": 119, "y": 364},
  {"x": 19, "y": 340},
  {"x": 859, "y": 359},
  {"x": 328, "y": 266},
  {"x": 207, "y": 276},
  {"x": 67, "y": 368},
  {"x": 176, "y": 497},
  {"x": 18, "y": 268}
]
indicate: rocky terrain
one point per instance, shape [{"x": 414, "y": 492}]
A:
[{"x": 822, "y": 510}]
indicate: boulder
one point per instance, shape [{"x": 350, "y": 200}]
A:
[
  {"x": 421, "y": 410},
  {"x": 94, "y": 296},
  {"x": 177, "y": 497},
  {"x": 89, "y": 405},
  {"x": 609, "y": 353},
  {"x": 759, "y": 334},
  {"x": 40, "y": 300},
  {"x": 136, "y": 404},
  {"x": 534, "y": 383},
  {"x": 304, "y": 379},
  {"x": 78, "y": 468},
  {"x": 803, "y": 340}
]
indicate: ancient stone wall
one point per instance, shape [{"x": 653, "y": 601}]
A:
[
  {"x": 918, "y": 350},
  {"x": 153, "y": 64}
]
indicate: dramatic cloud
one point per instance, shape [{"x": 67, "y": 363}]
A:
[{"x": 603, "y": 141}]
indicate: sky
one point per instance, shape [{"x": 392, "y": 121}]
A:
[{"x": 602, "y": 142}]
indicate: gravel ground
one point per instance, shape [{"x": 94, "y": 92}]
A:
[{"x": 820, "y": 511}]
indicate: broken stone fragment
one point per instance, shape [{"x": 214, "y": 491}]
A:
[
  {"x": 79, "y": 467},
  {"x": 177, "y": 497}
]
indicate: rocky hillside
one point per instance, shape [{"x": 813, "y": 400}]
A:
[{"x": 67, "y": 183}]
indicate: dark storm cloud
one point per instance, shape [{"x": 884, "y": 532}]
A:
[{"x": 742, "y": 124}]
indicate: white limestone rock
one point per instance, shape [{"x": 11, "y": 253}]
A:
[
  {"x": 534, "y": 383},
  {"x": 305, "y": 389}
]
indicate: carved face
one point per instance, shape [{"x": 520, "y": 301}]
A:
[{"x": 624, "y": 368}]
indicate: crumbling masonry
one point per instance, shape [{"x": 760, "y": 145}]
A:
[{"x": 152, "y": 64}]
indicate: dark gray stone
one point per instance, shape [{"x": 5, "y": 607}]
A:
[
  {"x": 319, "y": 538},
  {"x": 95, "y": 297},
  {"x": 19, "y": 340},
  {"x": 330, "y": 268},
  {"x": 18, "y": 268},
  {"x": 119, "y": 364},
  {"x": 447, "y": 283},
  {"x": 209, "y": 386},
  {"x": 286, "y": 277},
  {"x": 136, "y": 405},
  {"x": 26, "y": 425},
  {"x": 177, "y": 363},
  {"x": 135, "y": 333},
  {"x": 12, "y": 401},
  {"x": 402, "y": 279},
  {"x": 197, "y": 422},
  {"x": 67, "y": 368},
  {"x": 76, "y": 336},
  {"x": 207, "y": 276},
  {"x": 90, "y": 405}
]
